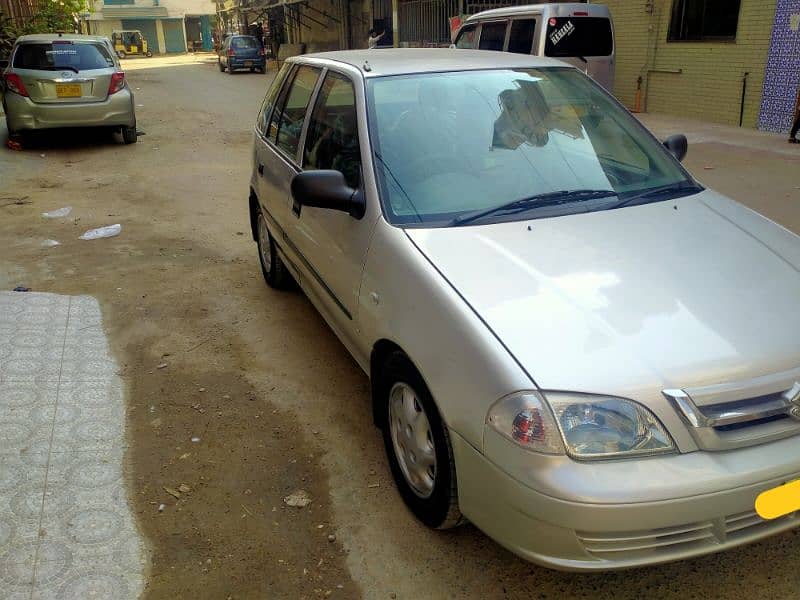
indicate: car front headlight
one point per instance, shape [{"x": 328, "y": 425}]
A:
[{"x": 586, "y": 426}]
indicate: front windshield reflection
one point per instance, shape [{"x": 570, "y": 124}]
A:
[{"x": 453, "y": 143}]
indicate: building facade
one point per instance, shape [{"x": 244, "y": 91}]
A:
[
  {"x": 167, "y": 25},
  {"x": 735, "y": 62}
]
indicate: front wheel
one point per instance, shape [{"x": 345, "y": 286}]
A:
[
  {"x": 129, "y": 135},
  {"x": 417, "y": 445},
  {"x": 275, "y": 273}
]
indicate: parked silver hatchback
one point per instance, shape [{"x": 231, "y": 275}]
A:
[
  {"x": 571, "y": 342},
  {"x": 60, "y": 80}
]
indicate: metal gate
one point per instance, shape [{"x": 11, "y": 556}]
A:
[{"x": 426, "y": 22}]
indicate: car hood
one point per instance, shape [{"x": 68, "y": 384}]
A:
[{"x": 681, "y": 293}]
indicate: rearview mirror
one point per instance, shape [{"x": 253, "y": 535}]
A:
[
  {"x": 678, "y": 145},
  {"x": 327, "y": 189}
]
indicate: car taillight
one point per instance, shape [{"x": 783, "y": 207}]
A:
[
  {"x": 14, "y": 83},
  {"x": 117, "y": 83},
  {"x": 231, "y": 52},
  {"x": 262, "y": 52}
]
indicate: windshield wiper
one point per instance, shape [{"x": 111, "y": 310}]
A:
[
  {"x": 64, "y": 68},
  {"x": 673, "y": 190},
  {"x": 536, "y": 201}
]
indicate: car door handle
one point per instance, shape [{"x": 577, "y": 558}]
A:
[{"x": 260, "y": 169}]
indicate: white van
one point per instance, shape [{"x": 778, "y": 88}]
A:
[{"x": 580, "y": 34}]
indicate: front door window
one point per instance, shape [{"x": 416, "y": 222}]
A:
[{"x": 332, "y": 139}]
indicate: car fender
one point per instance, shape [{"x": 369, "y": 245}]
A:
[{"x": 406, "y": 302}]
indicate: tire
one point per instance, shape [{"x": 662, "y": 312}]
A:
[
  {"x": 129, "y": 135},
  {"x": 149, "y": 54},
  {"x": 230, "y": 69},
  {"x": 432, "y": 497},
  {"x": 121, "y": 54},
  {"x": 275, "y": 273}
]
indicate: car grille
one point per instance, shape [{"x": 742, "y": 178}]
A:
[
  {"x": 735, "y": 419},
  {"x": 678, "y": 540}
]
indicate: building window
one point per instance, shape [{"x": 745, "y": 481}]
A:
[{"x": 708, "y": 20}]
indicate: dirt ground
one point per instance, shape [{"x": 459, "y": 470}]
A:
[{"x": 255, "y": 374}]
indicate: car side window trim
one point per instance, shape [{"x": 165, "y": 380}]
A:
[
  {"x": 280, "y": 100},
  {"x": 312, "y": 102},
  {"x": 267, "y": 118},
  {"x": 292, "y": 160}
]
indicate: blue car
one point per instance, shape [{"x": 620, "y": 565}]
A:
[{"x": 242, "y": 52}]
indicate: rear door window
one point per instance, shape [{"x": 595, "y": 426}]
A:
[
  {"x": 578, "y": 36},
  {"x": 60, "y": 55},
  {"x": 269, "y": 99},
  {"x": 289, "y": 119},
  {"x": 467, "y": 37},
  {"x": 520, "y": 39},
  {"x": 493, "y": 36}
]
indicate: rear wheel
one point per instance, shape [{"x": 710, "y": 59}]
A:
[
  {"x": 275, "y": 272},
  {"x": 417, "y": 444},
  {"x": 148, "y": 54},
  {"x": 129, "y": 135},
  {"x": 230, "y": 68}
]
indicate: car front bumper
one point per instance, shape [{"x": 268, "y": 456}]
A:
[
  {"x": 24, "y": 114},
  {"x": 577, "y": 535}
]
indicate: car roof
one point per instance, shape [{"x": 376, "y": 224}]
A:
[
  {"x": 555, "y": 9},
  {"x": 402, "y": 61},
  {"x": 70, "y": 37}
]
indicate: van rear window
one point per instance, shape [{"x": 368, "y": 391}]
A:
[
  {"x": 62, "y": 55},
  {"x": 241, "y": 43},
  {"x": 578, "y": 36}
]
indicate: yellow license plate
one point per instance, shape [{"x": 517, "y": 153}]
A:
[
  {"x": 779, "y": 501},
  {"x": 248, "y": 63},
  {"x": 68, "y": 90}
]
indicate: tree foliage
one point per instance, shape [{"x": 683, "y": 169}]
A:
[{"x": 49, "y": 16}]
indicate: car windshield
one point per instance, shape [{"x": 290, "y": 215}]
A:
[
  {"x": 52, "y": 56},
  {"x": 448, "y": 145}
]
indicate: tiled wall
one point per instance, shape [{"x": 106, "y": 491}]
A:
[{"x": 782, "y": 76}]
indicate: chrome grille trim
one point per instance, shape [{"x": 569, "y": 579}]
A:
[{"x": 742, "y": 421}]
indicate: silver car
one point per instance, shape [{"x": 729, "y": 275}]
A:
[
  {"x": 571, "y": 342},
  {"x": 66, "y": 80}
]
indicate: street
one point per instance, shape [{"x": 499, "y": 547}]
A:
[{"x": 207, "y": 352}]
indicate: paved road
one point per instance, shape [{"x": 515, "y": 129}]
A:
[{"x": 276, "y": 402}]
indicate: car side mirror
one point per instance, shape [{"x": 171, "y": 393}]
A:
[
  {"x": 327, "y": 189},
  {"x": 678, "y": 145}
]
